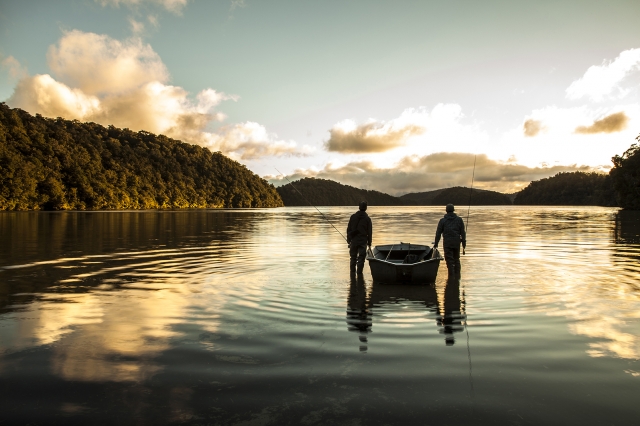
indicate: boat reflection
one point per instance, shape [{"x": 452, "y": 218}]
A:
[{"x": 363, "y": 307}]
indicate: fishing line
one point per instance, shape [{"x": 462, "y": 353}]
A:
[
  {"x": 464, "y": 294},
  {"x": 468, "y": 351},
  {"x": 325, "y": 218}
]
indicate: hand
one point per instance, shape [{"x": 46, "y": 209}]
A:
[{"x": 463, "y": 251}]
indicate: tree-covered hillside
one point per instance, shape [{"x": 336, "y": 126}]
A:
[
  {"x": 57, "y": 164},
  {"x": 625, "y": 177},
  {"x": 323, "y": 192},
  {"x": 457, "y": 195},
  {"x": 569, "y": 189}
]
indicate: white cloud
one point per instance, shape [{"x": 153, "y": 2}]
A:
[
  {"x": 237, "y": 3},
  {"x": 374, "y": 136},
  {"x": 125, "y": 84},
  {"x": 96, "y": 63},
  {"x": 153, "y": 20},
  {"x": 602, "y": 81},
  {"x": 250, "y": 140},
  {"x": 577, "y": 135},
  {"x": 137, "y": 27},
  {"x": 16, "y": 70},
  {"x": 44, "y": 95},
  {"x": 417, "y": 131},
  {"x": 174, "y": 6}
]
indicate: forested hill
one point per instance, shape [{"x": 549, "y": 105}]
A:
[
  {"x": 324, "y": 192},
  {"x": 457, "y": 195},
  {"x": 57, "y": 164},
  {"x": 569, "y": 188}
]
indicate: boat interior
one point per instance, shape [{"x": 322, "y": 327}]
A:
[{"x": 402, "y": 253}]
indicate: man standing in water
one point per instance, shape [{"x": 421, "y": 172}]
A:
[
  {"x": 359, "y": 233},
  {"x": 452, "y": 227}
]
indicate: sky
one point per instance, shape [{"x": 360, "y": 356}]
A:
[{"x": 397, "y": 96}]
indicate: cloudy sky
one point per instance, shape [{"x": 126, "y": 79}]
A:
[{"x": 398, "y": 96}]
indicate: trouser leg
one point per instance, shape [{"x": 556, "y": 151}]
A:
[
  {"x": 357, "y": 255},
  {"x": 452, "y": 257},
  {"x": 353, "y": 255}
]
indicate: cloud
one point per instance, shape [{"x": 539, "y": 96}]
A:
[
  {"x": 153, "y": 20},
  {"x": 253, "y": 141},
  {"x": 174, "y": 6},
  {"x": 125, "y": 84},
  {"x": 98, "y": 64},
  {"x": 237, "y": 3},
  {"x": 16, "y": 70},
  {"x": 532, "y": 127},
  {"x": 43, "y": 95},
  {"x": 433, "y": 171},
  {"x": 137, "y": 27},
  {"x": 609, "y": 124},
  {"x": 347, "y": 137},
  {"x": 560, "y": 141},
  {"x": 601, "y": 81},
  {"x": 442, "y": 123}
]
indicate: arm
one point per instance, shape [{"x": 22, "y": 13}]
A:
[
  {"x": 463, "y": 234},
  {"x": 370, "y": 233},
  {"x": 438, "y": 233}
]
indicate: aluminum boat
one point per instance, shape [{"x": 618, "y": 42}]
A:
[{"x": 404, "y": 262}]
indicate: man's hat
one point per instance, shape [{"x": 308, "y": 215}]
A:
[
  {"x": 363, "y": 206},
  {"x": 450, "y": 208}
]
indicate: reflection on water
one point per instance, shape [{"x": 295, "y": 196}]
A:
[
  {"x": 359, "y": 311},
  {"x": 238, "y": 317},
  {"x": 416, "y": 303},
  {"x": 453, "y": 316}
]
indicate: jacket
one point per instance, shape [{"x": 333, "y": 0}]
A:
[
  {"x": 360, "y": 229},
  {"x": 451, "y": 227}
]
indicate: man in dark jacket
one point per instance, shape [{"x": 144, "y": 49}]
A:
[
  {"x": 359, "y": 233},
  {"x": 451, "y": 227}
]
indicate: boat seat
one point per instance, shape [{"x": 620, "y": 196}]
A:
[{"x": 410, "y": 258}]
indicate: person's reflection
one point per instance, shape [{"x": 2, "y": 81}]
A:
[
  {"x": 358, "y": 314},
  {"x": 451, "y": 321}
]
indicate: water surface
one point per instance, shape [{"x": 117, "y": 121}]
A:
[{"x": 249, "y": 317}]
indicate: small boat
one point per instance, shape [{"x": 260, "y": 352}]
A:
[{"x": 404, "y": 262}]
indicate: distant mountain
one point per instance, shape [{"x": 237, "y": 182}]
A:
[
  {"x": 569, "y": 189},
  {"x": 56, "y": 164},
  {"x": 457, "y": 195},
  {"x": 324, "y": 192}
]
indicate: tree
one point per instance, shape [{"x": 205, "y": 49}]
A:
[
  {"x": 569, "y": 189},
  {"x": 625, "y": 175},
  {"x": 57, "y": 164}
]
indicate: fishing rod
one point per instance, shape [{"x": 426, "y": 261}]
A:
[
  {"x": 325, "y": 218},
  {"x": 470, "y": 192}
]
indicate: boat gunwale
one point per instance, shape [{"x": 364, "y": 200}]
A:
[{"x": 371, "y": 256}]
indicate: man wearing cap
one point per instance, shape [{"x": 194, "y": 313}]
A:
[
  {"x": 359, "y": 233},
  {"x": 451, "y": 227}
]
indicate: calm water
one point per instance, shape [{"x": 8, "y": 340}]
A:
[{"x": 249, "y": 317}]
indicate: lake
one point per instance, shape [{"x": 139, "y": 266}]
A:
[{"x": 249, "y": 317}]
